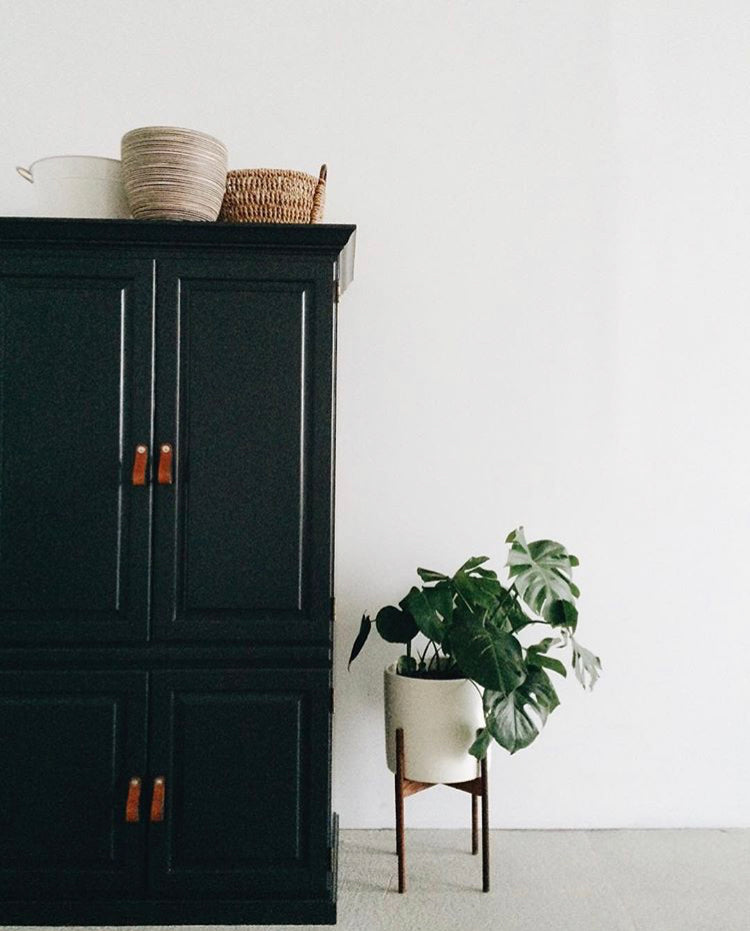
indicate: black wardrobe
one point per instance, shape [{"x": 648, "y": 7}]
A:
[{"x": 167, "y": 401}]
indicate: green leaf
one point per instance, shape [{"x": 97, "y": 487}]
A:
[
  {"x": 440, "y": 598},
  {"x": 560, "y": 613},
  {"x": 497, "y": 621},
  {"x": 539, "y": 684},
  {"x": 540, "y": 571},
  {"x": 548, "y": 662},
  {"x": 535, "y": 656},
  {"x": 405, "y": 665},
  {"x": 586, "y": 666},
  {"x": 421, "y": 607},
  {"x": 508, "y": 721},
  {"x": 481, "y": 744},
  {"x": 361, "y": 638},
  {"x": 508, "y": 613},
  {"x": 473, "y": 563},
  {"x": 491, "y": 658},
  {"x": 486, "y": 573},
  {"x": 544, "y": 645},
  {"x": 428, "y": 575},
  {"x": 463, "y": 616},
  {"x": 515, "y": 720},
  {"x": 395, "y": 626},
  {"x": 477, "y": 591}
]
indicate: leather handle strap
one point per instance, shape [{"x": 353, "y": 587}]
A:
[
  {"x": 157, "y": 800},
  {"x": 165, "y": 464},
  {"x": 140, "y": 462},
  {"x": 133, "y": 803}
]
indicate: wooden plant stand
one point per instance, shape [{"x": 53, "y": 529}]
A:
[{"x": 477, "y": 788}]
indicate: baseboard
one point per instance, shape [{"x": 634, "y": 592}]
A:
[{"x": 153, "y": 912}]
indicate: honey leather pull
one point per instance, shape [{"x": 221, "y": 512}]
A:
[
  {"x": 133, "y": 804},
  {"x": 157, "y": 800},
  {"x": 139, "y": 464},
  {"x": 165, "y": 464}
]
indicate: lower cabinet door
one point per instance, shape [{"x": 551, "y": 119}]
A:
[
  {"x": 70, "y": 742},
  {"x": 245, "y": 759}
]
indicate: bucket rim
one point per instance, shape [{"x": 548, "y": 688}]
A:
[{"x": 55, "y": 158}]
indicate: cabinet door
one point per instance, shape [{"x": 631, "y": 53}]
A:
[
  {"x": 245, "y": 356},
  {"x": 245, "y": 755},
  {"x": 75, "y": 399},
  {"x": 71, "y": 741}
]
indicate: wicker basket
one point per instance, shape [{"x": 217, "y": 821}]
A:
[{"x": 273, "y": 195}]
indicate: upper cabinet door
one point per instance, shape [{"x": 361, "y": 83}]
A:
[
  {"x": 75, "y": 401},
  {"x": 245, "y": 376}
]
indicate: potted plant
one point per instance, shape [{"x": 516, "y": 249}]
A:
[{"x": 474, "y": 675}]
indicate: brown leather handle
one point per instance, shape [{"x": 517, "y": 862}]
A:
[
  {"x": 165, "y": 464},
  {"x": 157, "y": 800},
  {"x": 140, "y": 461},
  {"x": 133, "y": 803}
]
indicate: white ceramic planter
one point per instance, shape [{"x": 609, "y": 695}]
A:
[{"x": 440, "y": 719}]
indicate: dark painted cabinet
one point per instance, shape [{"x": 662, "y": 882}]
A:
[{"x": 166, "y": 511}]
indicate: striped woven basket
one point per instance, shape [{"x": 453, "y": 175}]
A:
[{"x": 273, "y": 195}]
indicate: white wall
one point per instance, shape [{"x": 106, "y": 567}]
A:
[{"x": 549, "y": 326}]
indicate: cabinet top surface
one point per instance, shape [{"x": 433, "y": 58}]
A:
[{"x": 322, "y": 237}]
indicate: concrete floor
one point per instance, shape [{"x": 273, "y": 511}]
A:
[{"x": 548, "y": 881}]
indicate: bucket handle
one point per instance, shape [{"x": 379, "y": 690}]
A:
[{"x": 25, "y": 173}]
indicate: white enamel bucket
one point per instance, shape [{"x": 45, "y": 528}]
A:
[{"x": 77, "y": 186}]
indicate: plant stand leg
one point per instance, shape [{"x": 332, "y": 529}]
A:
[
  {"x": 485, "y": 828},
  {"x": 474, "y": 824},
  {"x": 399, "y": 787}
]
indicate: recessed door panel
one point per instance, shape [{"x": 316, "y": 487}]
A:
[
  {"x": 75, "y": 399},
  {"x": 70, "y": 743},
  {"x": 244, "y": 755},
  {"x": 245, "y": 376},
  {"x": 244, "y": 382}
]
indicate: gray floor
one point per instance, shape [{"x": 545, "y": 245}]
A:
[
  {"x": 549, "y": 881},
  {"x": 544, "y": 880}
]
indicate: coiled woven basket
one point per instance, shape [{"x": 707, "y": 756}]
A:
[{"x": 273, "y": 195}]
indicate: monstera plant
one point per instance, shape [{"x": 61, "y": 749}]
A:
[{"x": 470, "y": 625}]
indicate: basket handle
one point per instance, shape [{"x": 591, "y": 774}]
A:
[{"x": 316, "y": 215}]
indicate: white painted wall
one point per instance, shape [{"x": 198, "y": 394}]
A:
[{"x": 549, "y": 325}]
